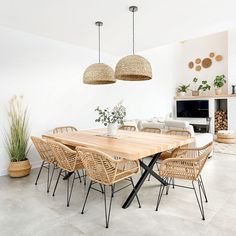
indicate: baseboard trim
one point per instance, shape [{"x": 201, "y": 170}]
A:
[{"x": 35, "y": 164}]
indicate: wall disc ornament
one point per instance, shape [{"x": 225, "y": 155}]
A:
[
  {"x": 190, "y": 65},
  {"x": 206, "y": 62},
  {"x": 198, "y": 68},
  {"x": 198, "y": 61},
  {"x": 219, "y": 58},
  {"x": 212, "y": 54}
]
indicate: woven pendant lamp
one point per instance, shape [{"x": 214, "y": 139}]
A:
[
  {"x": 99, "y": 73},
  {"x": 133, "y": 67}
]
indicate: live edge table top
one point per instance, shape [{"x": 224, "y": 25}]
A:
[{"x": 129, "y": 145}]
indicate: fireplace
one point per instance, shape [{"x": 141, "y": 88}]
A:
[{"x": 221, "y": 115}]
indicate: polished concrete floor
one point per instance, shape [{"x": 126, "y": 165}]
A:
[{"x": 26, "y": 209}]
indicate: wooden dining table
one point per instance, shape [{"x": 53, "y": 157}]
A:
[{"x": 127, "y": 144}]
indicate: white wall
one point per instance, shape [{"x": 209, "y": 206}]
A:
[
  {"x": 232, "y": 77},
  {"x": 49, "y": 75},
  {"x": 200, "y": 48}
]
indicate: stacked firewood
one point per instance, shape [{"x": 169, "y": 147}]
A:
[{"x": 221, "y": 120}]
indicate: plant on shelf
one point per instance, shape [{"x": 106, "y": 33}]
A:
[
  {"x": 219, "y": 82},
  {"x": 182, "y": 89},
  {"x": 204, "y": 86},
  {"x": 17, "y": 138},
  {"x": 195, "y": 92},
  {"x": 111, "y": 118}
]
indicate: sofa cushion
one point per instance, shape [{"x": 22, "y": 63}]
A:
[{"x": 177, "y": 123}]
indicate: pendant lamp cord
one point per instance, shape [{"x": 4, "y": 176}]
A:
[
  {"x": 99, "y": 46},
  {"x": 133, "y": 32}
]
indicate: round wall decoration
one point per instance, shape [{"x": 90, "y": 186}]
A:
[
  {"x": 190, "y": 65},
  {"x": 198, "y": 61},
  {"x": 198, "y": 68},
  {"x": 219, "y": 58},
  {"x": 212, "y": 54},
  {"x": 206, "y": 62}
]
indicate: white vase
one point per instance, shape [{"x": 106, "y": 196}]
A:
[
  {"x": 218, "y": 91},
  {"x": 182, "y": 94},
  {"x": 112, "y": 129}
]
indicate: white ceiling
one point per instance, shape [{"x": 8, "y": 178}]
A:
[{"x": 157, "y": 22}]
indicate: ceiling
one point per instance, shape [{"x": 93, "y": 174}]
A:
[{"x": 157, "y": 22}]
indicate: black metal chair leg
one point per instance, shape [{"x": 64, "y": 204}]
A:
[
  {"x": 162, "y": 187},
  {"x": 54, "y": 167},
  {"x": 82, "y": 212},
  {"x": 136, "y": 195},
  {"x": 59, "y": 175},
  {"x": 113, "y": 189},
  {"x": 199, "y": 201},
  {"x": 102, "y": 191},
  {"x": 107, "y": 216},
  {"x": 36, "y": 182},
  {"x": 169, "y": 180},
  {"x": 173, "y": 182},
  {"x": 48, "y": 179},
  {"x": 84, "y": 174},
  {"x": 69, "y": 192},
  {"x": 203, "y": 189},
  {"x": 79, "y": 176}
]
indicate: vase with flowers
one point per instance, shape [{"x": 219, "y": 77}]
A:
[{"x": 111, "y": 118}]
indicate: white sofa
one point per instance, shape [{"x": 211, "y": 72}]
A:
[{"x": 200, "y": 139}]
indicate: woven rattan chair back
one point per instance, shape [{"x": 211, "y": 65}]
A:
[
  {"x": 179, "y": 132},
  {"x": 128, "y": 127},
  {"x": 66, "y": 158},
  {"x": 187, "y": 167},
  {"x": 43, "y": 149},
  {"x": 103, "y": 169},
  {"x": 64, "y": 129},
  {"x": 151, "y": 130}
]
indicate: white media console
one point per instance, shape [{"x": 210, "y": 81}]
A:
[{"x": 223, "y": 102}]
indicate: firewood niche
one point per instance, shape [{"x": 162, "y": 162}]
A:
[{"x": 221, "y": 115}]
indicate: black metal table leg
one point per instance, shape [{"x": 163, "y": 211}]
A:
[{"x": 148, "y": 170}]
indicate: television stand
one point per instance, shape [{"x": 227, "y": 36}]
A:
[{"x": 201, "y": 128}]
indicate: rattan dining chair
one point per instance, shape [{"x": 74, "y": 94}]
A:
[
  {"x": 185, "y": 133},
  {"x": 128, "y": 127},
  {"x": 68, "y": 161},
  {"x": 47, "y": 157},
  {"x": 151, "y": 130},
  {"x": 186, "y": 165},
  {"x": 103, "y": 170},
  {"x": 64, "y": 129}
]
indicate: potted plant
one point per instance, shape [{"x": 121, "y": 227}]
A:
[
  {"x": 219, "y": 82},
  {"x": 204, "y": 86},
  {"x": 111, "y": 118},
  {"x": 195, "y": 92},
  {"x": 182, "y": 89},
  {"x": 17, "y": 138}
]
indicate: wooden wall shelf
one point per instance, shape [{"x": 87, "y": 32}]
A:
[{"x": 206, "y": 96}]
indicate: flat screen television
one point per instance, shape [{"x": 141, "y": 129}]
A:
[{"x": 193, "y": 108}]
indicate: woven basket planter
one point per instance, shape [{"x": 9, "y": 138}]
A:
[
  {"x": 133, "y": 68},
  {"x": 19, "y": 169}
]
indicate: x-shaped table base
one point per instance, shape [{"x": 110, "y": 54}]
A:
[{"x": 148, "y": 170}]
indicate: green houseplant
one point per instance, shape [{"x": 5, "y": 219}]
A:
[
  {"x": 182, "y": 89},
  {"x": 219, "y": 82},
  {"x": 195, "y": 92},
  {"x": 111, "y": 118},
  {"x": 17, "y": 138},
  {"x": 204, "y": 86}
]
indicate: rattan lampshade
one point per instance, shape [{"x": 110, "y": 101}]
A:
[
  {"x": 133, "y": 68},
  {"x": 99, "y": 73}
]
